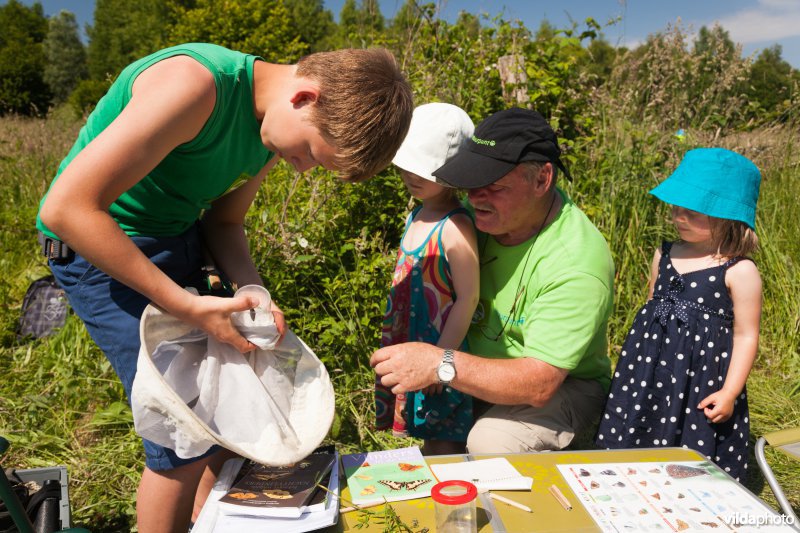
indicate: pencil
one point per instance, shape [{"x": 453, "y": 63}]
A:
[
  {"x": 512, "y": 503},
  {"x": 560, "y": 497}
]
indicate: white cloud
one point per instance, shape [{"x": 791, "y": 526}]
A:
[{"x": 771, "y": 20}]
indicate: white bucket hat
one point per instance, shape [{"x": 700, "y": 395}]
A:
[
  {"x": 436, "y": 133},
  {"x": 273, "y": 405}
]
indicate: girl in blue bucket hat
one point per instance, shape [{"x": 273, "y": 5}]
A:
[{"x": 680, "y": 378}]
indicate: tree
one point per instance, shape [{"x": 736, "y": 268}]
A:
[
  {"x": 21, "y": 22},
  {"x": 22, "y": 59},
  {"x": 714, "y": 42},
  {"x": 261, "y": 27},
  {"x": 66, "y": 56},
  {"x": 348, "y": 23},
  {"x": 770, "y": 81},
  {"x": 309, "y": 20},
  {"x": 599, "y": 61},
  {"x": 124, "y": 31},
  {"x": 360, "y": 25},
  {"x": 469, "y": 23},
  {"x": 406, "y": 19}
]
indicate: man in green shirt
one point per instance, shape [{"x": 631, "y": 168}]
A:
[{"x": 537, "y": 362}]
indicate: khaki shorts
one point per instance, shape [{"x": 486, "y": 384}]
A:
[{"x": 523, "y": 428}]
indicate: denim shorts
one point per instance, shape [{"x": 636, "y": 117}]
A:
[{"x": 111, "y": 311}]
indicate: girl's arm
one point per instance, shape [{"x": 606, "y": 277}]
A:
[
  {"x": 461, "y": 250},
  {"x": 744, "y": 284},
  {"x": 171, "y": 102},
  {"x": 654, "y": 272}
]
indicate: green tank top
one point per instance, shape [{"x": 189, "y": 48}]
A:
[{"x": 227, "y": 151}]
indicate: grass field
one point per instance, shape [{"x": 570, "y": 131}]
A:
[{"x": 60, "y": 402}]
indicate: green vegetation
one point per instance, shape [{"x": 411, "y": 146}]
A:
[{"x": 326, "y": 249}]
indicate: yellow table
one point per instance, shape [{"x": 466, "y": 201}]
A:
[{"x": 547, "y": 515}]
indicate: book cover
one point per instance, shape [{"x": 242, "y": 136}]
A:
[
  {"x": 287, "y": 491},
  {"x": 389, "y": 475}
]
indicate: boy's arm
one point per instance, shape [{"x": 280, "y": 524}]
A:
[
  {"x": 223, "y": 233},
  {"x": 461, "y": 250},
  {"x": 171, "y": 102},
  {"x": 744, "y": 284}
]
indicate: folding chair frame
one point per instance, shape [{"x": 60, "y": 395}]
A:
[{"x": 774, "y": 439}]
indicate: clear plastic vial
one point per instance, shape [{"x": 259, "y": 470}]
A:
[
  {"x": 264, "y": 298},
  {"x": 455, "y": 506}
]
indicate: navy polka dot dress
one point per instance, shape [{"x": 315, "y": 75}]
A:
[{"x": 678, "y": 352}]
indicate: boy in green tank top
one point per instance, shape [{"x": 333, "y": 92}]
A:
[{"x": 178, "y": 147}]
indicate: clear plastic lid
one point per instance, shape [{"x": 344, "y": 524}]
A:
[{"x": 454, "y": 492}]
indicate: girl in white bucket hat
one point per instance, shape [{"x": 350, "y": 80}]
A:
[{"x": 434, "y": 290}]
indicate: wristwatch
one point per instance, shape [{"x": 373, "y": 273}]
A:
[{"x": 446, "y": 371}]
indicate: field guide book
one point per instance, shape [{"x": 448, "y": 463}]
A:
[
  {"x": 388, "y": 475},
  {"x": 322, "y": 511},
  {"x": 280, "y": 491}
]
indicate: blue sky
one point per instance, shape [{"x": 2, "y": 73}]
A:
[{"x": 755, "y": 24}]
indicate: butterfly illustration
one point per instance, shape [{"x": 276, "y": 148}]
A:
[
  {"x": 414, "y": 485},
  {"x": 405, "y": 467},
  {"x": 400, "y": 485}
]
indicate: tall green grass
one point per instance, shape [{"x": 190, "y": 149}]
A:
[{"x": 326, "y": 251}]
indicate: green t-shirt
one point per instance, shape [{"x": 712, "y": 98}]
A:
[
  {"x": 226, "y": 152},
  {"x": 550, "y": 300}
]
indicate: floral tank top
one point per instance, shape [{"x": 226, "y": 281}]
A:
[{"x": 422, "y": 293}]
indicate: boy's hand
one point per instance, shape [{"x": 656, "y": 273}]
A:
[
  {"x": 718, "y": 407},
  {"x": 280, "y": 321},
  {"x": 212, "y": 314}
]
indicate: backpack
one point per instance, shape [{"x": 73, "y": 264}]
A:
[{"x": 44, "y": 309}]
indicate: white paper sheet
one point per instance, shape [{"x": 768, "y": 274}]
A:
[{"x": 490, "y": 474}]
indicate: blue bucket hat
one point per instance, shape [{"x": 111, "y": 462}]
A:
[{"x": 716, "y": 182}]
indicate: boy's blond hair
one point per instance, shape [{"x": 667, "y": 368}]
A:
[{"x": 364, "y": 107}]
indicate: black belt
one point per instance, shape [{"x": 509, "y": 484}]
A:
[{"x": 53, "y": 248}]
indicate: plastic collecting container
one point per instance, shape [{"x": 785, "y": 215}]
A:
[{"x": 454, "y": 505}]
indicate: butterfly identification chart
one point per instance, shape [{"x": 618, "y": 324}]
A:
[
  {"x": 392, "y": 475},
  {"x": 667, "y": 496}
]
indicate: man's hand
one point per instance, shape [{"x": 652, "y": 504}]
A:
[{"x": 406, "y": 367}]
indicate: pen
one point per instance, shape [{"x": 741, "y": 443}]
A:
[
  {"x": 560, "y": 497},
  {"x": 512, "y": 503}
]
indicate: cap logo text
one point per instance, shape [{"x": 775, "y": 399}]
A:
[{"x": 486, "y": 142}]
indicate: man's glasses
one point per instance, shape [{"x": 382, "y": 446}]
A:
[{"x": 511, "y": 315}]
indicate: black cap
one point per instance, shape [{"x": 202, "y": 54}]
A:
[{"x": 500, "y": 143}]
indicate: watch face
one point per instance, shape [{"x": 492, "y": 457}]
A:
[{"x": 446, "y": 373}]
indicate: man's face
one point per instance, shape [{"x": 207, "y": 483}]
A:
[
  {"x": 291, "y": 135},
  {"x": 504, "y": 209}
]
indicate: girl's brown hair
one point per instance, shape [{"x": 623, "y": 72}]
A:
[
  {"x": 733, "y": 238},
  {"x": 364, "y": 108}
]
